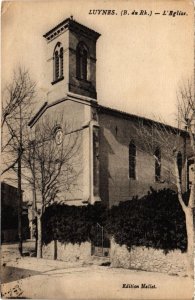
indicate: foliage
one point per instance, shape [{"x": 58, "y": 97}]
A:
[
  {"x": 156, "y": 220},
  {"x": 71, "y": 224}
]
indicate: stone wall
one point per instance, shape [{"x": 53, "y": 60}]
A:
[
  {"x": 142, "y": 258},
  {"x": 67, "y": 252}
]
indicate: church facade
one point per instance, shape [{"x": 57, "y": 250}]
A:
[{"x": 114, "y": 165}]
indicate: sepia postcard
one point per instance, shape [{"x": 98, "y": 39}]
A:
[{"x": 98, "y": 149}]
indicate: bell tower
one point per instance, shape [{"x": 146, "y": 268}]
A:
[
  {"x": 71, "y": 79},
  {"x": 71, "y": 60}
]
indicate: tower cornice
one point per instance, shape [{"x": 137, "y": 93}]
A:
[{"x": 72, "y": 25}]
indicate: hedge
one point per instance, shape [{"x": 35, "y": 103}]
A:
[
  {"x": 72, "y": 224},
  {"x": 156, "y": 220}
]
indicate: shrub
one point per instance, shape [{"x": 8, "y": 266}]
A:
[
  {"x": 156, "y": 220},
  {"x": 71, "y": 224}
]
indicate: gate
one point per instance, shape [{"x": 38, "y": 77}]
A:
[{"x": 101, "y": 242}]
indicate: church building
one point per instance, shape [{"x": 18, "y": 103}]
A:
[{"x": 114, "y": 166}]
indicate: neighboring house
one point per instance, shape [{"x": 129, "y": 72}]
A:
[
  {"x": 113, "y": 167},
  {"x": 9, "y": 214}
]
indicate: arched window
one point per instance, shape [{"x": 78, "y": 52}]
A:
[
  {"x": 179, "y": 164},
  {"x": 81, "y": 61},
  {"x": 58, "y": 62},
  {"x": 61, "y": 61},
  {"x": 157, "y": 155},
  {"x": 132, "y": 160}
]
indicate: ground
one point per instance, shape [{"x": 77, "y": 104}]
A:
[{"x": 29, "y": 277}]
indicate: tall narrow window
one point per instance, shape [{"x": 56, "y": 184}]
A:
[
  {"x": 179, "y": 164},
  {"x": 81, "y": 61},
  {"x": 57, "y": 73},
  {"x": 58, "y": 62},
  {"x": 157, "y": 155},
  {"x": 132, "y": 160},
  {"x": 61, "y": 61}
]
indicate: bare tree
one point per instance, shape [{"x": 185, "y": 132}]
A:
[
  {"x": 186, "y": 109},
  {"x": 171, "y": 142},
  {"x": 17, "y": 106},
  {"x": 53, "y": 159},
  {"x": 186, "y": 117}
]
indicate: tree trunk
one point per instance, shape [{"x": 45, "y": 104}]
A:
[
  {"x": 39, "y": 237},
  {"x": 36, "y": 236},
  {"x": 190, "y": 240},
  {"x": 19, "y": 204},
  {"x": 55, "y": 249},
  {"x": 188, "y": 211}
]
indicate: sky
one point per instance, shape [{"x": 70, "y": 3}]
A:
[{"x": 141, "y": 59}]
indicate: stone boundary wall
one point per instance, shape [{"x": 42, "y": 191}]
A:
[
  {"x": 68, "y": 252},
  {"x": 148, "y": 259},
  {"x": 139, "y": 258}
]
